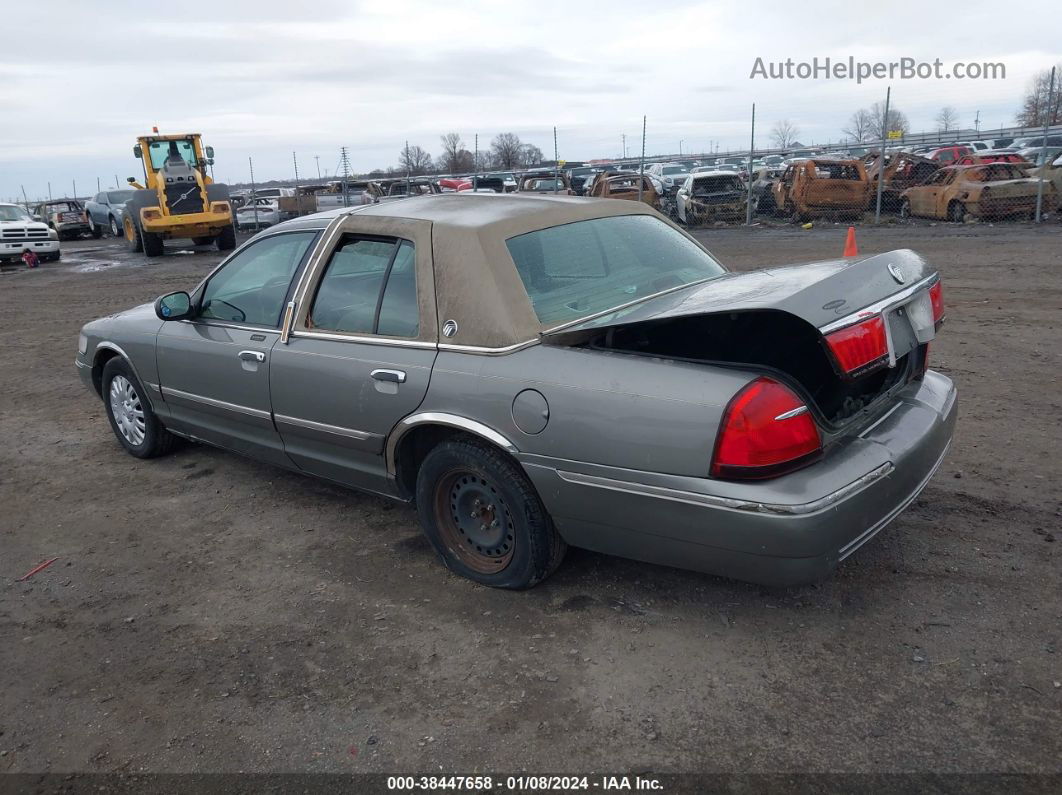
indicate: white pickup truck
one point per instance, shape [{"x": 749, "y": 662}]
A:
[{"x": 18, "y": 232}]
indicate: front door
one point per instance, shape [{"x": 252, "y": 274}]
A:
[
  {"x": 360, "y": 356},
  {"x": 214, "y": 369}
]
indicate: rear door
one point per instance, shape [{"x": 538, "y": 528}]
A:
[
  {"x": 360, "y": 355},
  {"x": 214, "y": 369}
]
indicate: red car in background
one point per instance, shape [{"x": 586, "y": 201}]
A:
[
  {"x": 947, "y": 155},
  {"x": 997, "y": 156}
]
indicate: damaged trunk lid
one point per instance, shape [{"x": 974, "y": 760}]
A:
[{"x": 778, "y": 320}]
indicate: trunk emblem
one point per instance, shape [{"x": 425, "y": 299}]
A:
[{"x": 896, "y": 273}]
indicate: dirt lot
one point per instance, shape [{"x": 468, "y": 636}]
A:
[{"x": 207, "y": 613}]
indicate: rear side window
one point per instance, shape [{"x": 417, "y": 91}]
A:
[
  {"x": 587, "y": 267},
  {"x": 369, "y": 287}
]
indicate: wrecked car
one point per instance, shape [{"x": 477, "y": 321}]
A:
[
  {"x": 709, "y": 196},
  {"x": 545, "y": 182},
  {"x": 607, "y": 383},
  {"x": 66, "y": 216},
  {"x": 902, "y": 170},
  {"x": 822, "y": 187},
  {"x": 625, "y": 186},
  {"x": 994, "y": 190},
  {"x": 763, "y": 188}
]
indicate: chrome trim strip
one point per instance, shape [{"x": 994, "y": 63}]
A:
[
  {"x": 786, "y": 415},
  {"x": 219, "y": 404},
  {"x": 368, "y": 340},
  {"x": 81, "y": 364},
  {"x": 485, "y": 351},
  {"x": 350, "y": 433},
  {"x": 215, "y": 324},
  {"x": 857, "y": 542},
  {"x": 727, "y": 503},
  {"x": 880, "y": 307},
  {"x": 441, "y": 418}
]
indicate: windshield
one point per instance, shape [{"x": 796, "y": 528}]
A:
[
  {"x": 581, "y": 269},
  {"x": 160, "y": 150},
  {"x": 12, "y": 212},
  {"x": 119, "y": 196}
]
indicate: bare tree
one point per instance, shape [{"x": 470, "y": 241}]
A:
[
  {"x": 414, "y": 161},
  {"x": 507, "y": 150},
  {"x": 531, "y": 155},
  {"x": 947, "y": 119},
  {"x": 1037, "y": 107},
  {"x": 450, "y": 160},
  {"x": 784, "y": 133},
  {"x": 861, "y": 127},
  {"x": 897, "y": 119}
]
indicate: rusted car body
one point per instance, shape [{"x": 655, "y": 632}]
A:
[
  {"x": 625, "y": 186},
  {"x": 993, "y": 190},
  {"x": 545, "y": 182},
  {"x": 902, "y": 171},
  {"x": 822, "y": 187},
  {"x": 66, "y": 216},
  {"x": 1001, "y": 156},
  {"x": 711, "y": 196}
]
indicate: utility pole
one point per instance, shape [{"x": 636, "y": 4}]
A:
[
  {"x": 409, "y": 167},
  {"x": 475, "y": 165},
  {"x": 344, "y": 163},
  {"x": 977, "y": 122},
  {"x": 681, "y": 141},
  {"x": 298, "y": 199},
  {"x": 1048, "y": 118},
  {"x": 641, "y": 163},
  {"x": 318, "y": 159},
  {"x": 74, "y": 183},
  {"x": 556, "y": 162},
  {"x": 97, "y": 184},
  {"x": 624, "y": 146},
  {"x": 881, "y": 169},
  {"x": 254, "y": 197},
  {"x": 49, "y": 191}
]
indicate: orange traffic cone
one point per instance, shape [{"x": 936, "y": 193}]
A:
[{"x": 850, "y": 248}]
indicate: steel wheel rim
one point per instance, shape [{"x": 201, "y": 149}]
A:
[
  {"x": 127, "y": 410},
  {"x": 114, "y": 227},
  {"x": 474, "y": 521}
]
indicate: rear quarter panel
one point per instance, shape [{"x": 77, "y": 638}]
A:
[{"x": 607, "y": 408}]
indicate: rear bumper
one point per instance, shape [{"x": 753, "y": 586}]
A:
[{"x": 787, "y": 531}]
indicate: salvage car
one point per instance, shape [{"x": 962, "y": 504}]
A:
[
  {"x": 545, "y": 182},
  {"x": 534, "y": 372},
  {"x": 259, "y": 213},
  {"x": 995, "y": 190},
  {"x": 822, "y": 187},
  {"x": 709, "y": 196},
  {"x": 19, "y": 231},
  {"x": 993, "y": 156},
  {"x": 625, "y": 186},
  {"x": 902, "y": 170},
  {"x": 106, "y": 211},
  {"x": 65, "y": 216},
  {"x": 670, "y": 175}
]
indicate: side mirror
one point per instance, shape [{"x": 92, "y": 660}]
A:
[
  {"x": 174, "y": 306},
  {"x": 136, "y": 152},
  {"x": 210, "y": 152},
  {"x": 130, "y": 180}
]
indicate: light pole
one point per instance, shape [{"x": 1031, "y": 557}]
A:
[{"x": 680, "y": 146}]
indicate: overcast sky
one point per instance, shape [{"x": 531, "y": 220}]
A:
[{"x": 79, "y": 80}]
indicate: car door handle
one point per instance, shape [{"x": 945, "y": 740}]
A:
[
  {"x": 394, "y": 376},
  {"x": 252, "y": 356}
]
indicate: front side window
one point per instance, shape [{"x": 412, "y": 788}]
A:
[
  {"x": 587, "y": 267},
  {"x": 252, "y": 286},
  {"x": 369, "y": 287}
]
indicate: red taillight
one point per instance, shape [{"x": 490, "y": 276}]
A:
[
  {"x": 860, "y": 348},
  {"x": 936, "y": 298},
  {"x": 766, "y": 431}
]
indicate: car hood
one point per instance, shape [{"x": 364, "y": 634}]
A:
[
  {"x": 25, "y": 224},
  {"x": 818, "y": 292}
]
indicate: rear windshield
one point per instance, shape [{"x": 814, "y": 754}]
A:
[{"x": 587, "y": 267}]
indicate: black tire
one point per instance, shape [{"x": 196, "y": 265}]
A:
[
  {"x": 134, "y": 240},
  {"x": 95, "y": 231},
  {"x": 522, "y": 547},
  {"x": 202, "y": 241},
  {"x": 956, "y": 212},
  {"x": 53, "y": 257},
  {"x": 156, "y": 439},
  {"x": 905, "y": 209},
  {"x": 153, "y": 246},
  {"x": 226, "y": 239},
  {"x": 116, "y": 227}
]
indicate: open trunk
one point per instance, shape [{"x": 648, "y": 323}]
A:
[{"x": 776, "y": 321}]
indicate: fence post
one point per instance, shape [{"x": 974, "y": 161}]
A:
[
  {"x": 298, "y": 199},
  {"x": 752, "y": 147},
  {"x": 881, "y": 161},
  {"x": 254, "y": 194},
  {"x": 556, "y": 161},
  {"x": 475, "y": 166},
  {"x": 1043, "y": 148}
]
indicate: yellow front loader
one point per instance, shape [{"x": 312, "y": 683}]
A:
[{"x": 178, "y": 198}]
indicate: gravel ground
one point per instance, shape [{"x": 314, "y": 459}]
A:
[{"x": 208, "y": 613}]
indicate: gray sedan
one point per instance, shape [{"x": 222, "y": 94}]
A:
[{"x": 538, "y": 371}]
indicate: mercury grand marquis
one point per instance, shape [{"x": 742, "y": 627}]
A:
[{"x": 538, "y": 371}]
